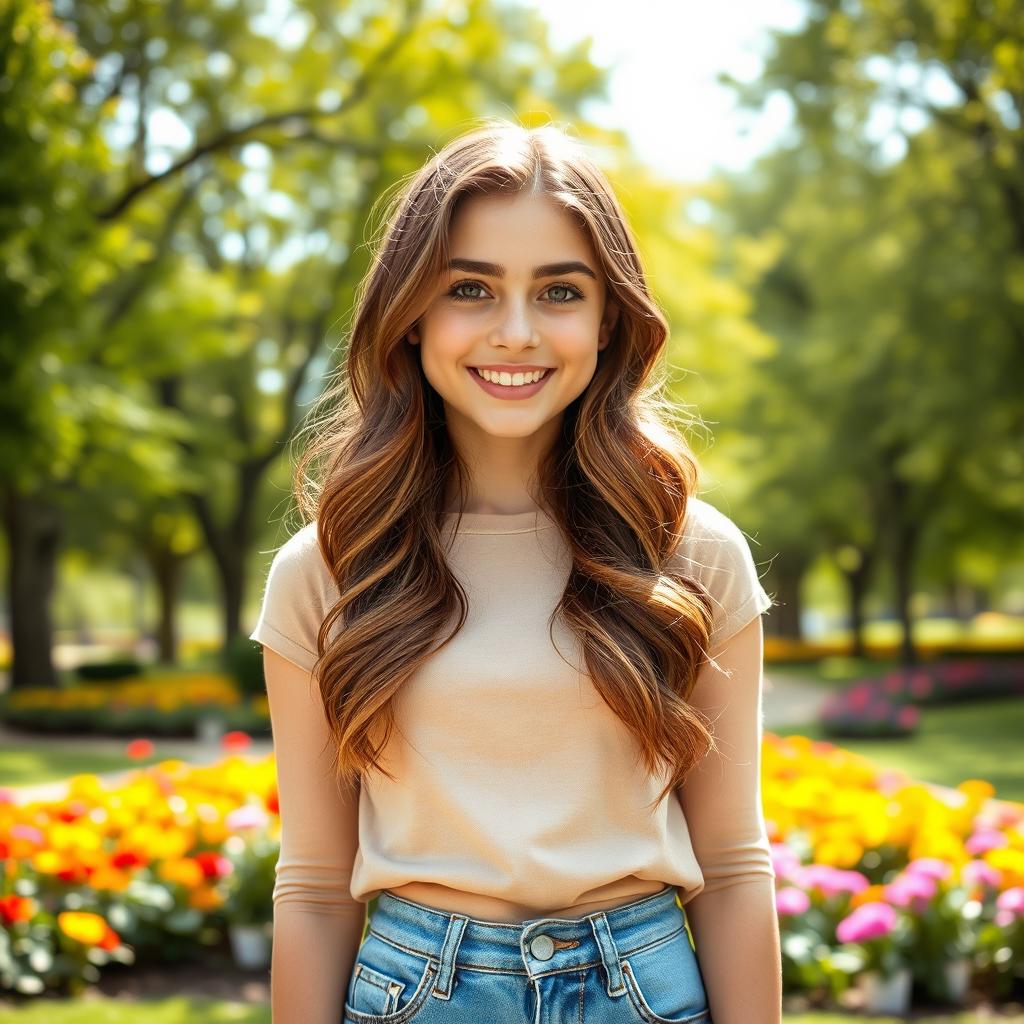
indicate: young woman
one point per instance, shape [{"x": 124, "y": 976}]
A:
[{"x": 514, "y": 662}]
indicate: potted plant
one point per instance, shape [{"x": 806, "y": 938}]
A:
[
  {"x": 248, "y": 896},
  {"x": 878, "y": 935}
]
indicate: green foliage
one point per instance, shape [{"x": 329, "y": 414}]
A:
[
  {"x": 119, "y": 668},
  {"x": 243, "y": 661}
]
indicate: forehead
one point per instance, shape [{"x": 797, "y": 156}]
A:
[{"x": 517, "y": 228}]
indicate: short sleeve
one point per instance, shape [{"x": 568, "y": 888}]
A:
[
  {"x": 715, "y": 551},
  {"x": 297, "y": 596}
]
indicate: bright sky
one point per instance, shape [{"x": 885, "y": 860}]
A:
[{"x": 663, "y": 91}]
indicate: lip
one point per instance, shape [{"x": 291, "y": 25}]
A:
[
  {"x": 509, "y": 391},
  {"x": 510, "y": 367}
]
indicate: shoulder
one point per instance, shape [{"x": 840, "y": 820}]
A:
[
  {"x": 298, "y": 594},
  {"x": 715, "y": 551}
]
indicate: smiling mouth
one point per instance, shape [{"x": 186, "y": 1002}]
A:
[{"x": 476, "y": 371}]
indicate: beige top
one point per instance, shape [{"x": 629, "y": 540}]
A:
[{"x": 519, "y": 792}]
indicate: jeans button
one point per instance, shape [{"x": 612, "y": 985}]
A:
[{"x": 542, "y": 947}]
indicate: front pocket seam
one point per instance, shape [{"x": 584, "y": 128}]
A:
[
  {"x": 415, "y": 1004},
  {"x": 640, "y": 1003}
]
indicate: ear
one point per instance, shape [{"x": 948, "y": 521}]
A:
[
  {"x": 413, "y": 335},
  {"x": 609, "y": 319}
]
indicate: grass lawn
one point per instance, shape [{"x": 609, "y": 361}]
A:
[
  {"x": 180, "y": 1010},
  {"x": 953, "y": 743},
  {"x": 27, "y": 765}
]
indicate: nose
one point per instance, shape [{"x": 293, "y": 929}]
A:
[{"x": 515, "y": 326}]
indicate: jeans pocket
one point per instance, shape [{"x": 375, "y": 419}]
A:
[
  {"x": 664, "y": 982},
  {"x": 389, "y": 985}
]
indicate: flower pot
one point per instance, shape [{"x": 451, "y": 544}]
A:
[
  {"x": 958, "y": 978},
  {"x": 250, "y": 944},
  {"x": 886, "y": 995}
]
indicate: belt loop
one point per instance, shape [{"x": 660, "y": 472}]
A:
[
  {"x": 609, "y": 953},
  {"x": 449, "y": 950}
]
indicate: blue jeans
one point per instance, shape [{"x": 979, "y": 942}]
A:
[{"x": 632, "y": 964}]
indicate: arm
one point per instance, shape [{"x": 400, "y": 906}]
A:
[
  {"x": 733, "y": 918},
  {"x": 318, "y": 927}
]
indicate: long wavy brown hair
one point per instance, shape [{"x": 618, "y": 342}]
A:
[{"x": 379, "y": 462}]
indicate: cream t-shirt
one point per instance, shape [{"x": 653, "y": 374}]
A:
[{"x": 518, "y": 792}]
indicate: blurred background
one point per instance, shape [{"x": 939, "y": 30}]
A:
[{"x": 829, "y": 199}]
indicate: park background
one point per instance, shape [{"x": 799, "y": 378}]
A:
[{"x": 829, "y": 199}]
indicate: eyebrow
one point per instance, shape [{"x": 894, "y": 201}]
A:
[{"x": 546, "y": 270}]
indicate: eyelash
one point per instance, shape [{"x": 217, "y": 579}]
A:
[{"x": 577, "y": 294}]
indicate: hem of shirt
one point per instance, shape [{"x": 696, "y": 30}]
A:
[
  {"x": 755, "y": 605},
  {"x": 269, "y": 636}
]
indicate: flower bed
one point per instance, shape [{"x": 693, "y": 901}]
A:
[
  {"x": 873, "y": 870},
  {"x": 165, "y": 705},
  {"x": 890, "y": 705},
  {"x": 876, "y": 871}
]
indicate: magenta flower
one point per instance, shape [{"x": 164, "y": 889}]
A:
[
  {"x": 868, "y": 921},
  {"x": 829, "y": 880},
  {"x": 985, "y": 839},
  {"x": 911, "y": 890},
  {"x": 932, "y": 867},
  {"x": 1011, "y": 901},
  {"x": 790, "y": 901},
  {"x": 980, "y": 872}
]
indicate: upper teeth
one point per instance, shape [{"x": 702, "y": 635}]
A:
[{"x": 513, "y": 379}]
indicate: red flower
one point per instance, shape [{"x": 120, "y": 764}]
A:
[
  {"x": 213, "y": 864},
  {"x": 272, "y": 804},
  {"x": 236, "y": 741},
  {"x": 139, "y": 749},
  {"x": 127, "y": 859},
  {"x": 16, "y": 908}
]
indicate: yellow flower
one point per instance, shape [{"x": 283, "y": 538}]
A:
[{"x": 88, "y": 929}]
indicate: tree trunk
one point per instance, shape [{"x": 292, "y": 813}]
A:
[
  {"x": 857, "y": 584},
  {"x": 33, "y": 527},
  {"x": 230, "y": 545},
  {"x": 905, "y": 537},
  {"x": 166, "y": 567},
  {"x": 785, "y": 616}
]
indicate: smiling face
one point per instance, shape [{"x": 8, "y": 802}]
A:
[{"x": 524, "y": 291}]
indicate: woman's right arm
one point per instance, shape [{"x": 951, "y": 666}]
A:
[{"x": 318, "y": 926}]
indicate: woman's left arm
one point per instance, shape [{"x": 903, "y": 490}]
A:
[{"x": 733, "y": 918}]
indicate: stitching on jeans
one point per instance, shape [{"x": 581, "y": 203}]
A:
[{"x": 583, "y": 978}]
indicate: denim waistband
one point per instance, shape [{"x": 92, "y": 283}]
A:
[{"x": 535, "y": 947}]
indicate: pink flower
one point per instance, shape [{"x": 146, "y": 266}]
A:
[
  {"x": 791, "y": 901},
  {"x": 785, "y": 860},
  {"x": 911, "y": 890},
  {"x": 859, "y": 696},
  {"x": 921, "y": 685},
  {"x": 980, "y": 872},
  {"x": 829, "y": 880},
  {"x": 868, "y": 921},
  {"x": 932, "y": 867},
  {"x": 1011, "y": 901},
  {"x": 29, "y": 832},
  {"x": 985, "y": 839},
  {"x": 246, "y": 816},
  {"x": 907, "y": 717}
]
